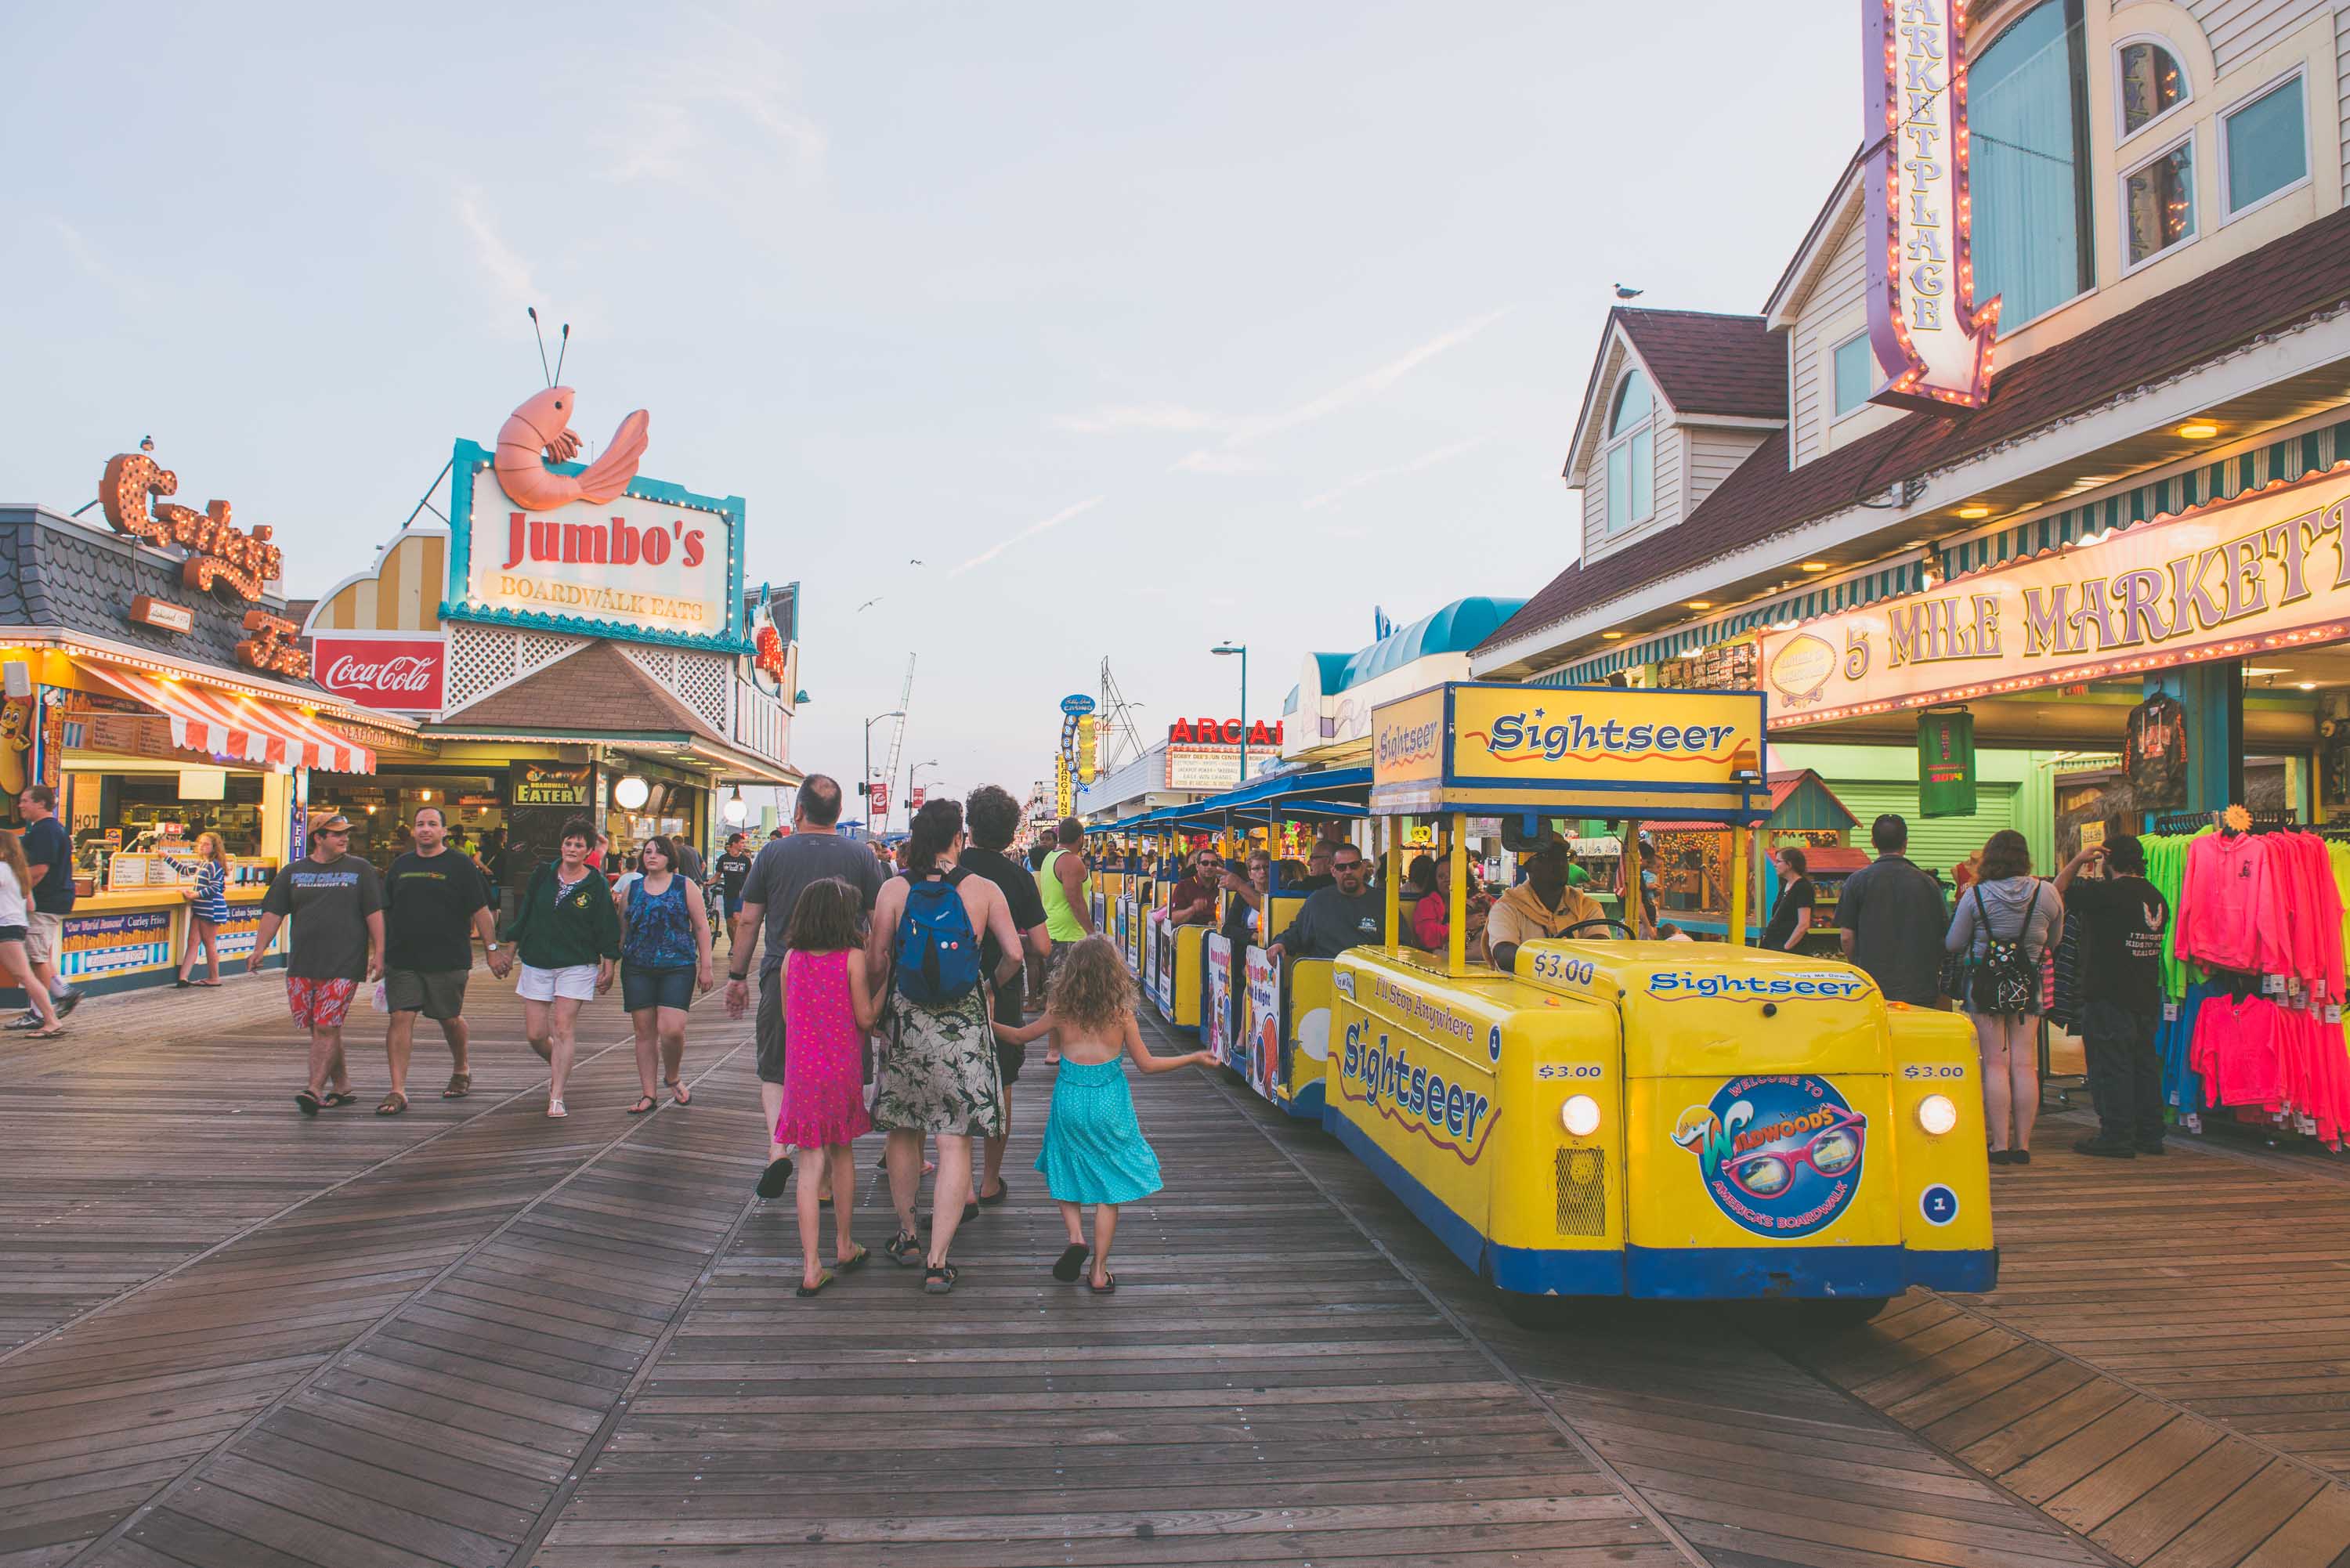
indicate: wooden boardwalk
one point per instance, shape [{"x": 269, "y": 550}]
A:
[{"x": 474, "y": 1336}]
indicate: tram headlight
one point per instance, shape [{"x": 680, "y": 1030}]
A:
[
  {"x": 1937, "y": 1114},
  {"x": 1580, "y": 1114}
]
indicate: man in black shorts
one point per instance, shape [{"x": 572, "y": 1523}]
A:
[
  {"x": 811, "y": 852},
  {"x": 993, "y": 817}
]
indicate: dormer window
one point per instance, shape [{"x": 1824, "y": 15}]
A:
[
  {"x": 2152, "y": 85},
  {"x": 1631, "y": 455}
]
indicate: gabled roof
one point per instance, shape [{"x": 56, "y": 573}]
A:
[
  {"x": 1703, "y": 363},
  {"x": 599, "y": 689},
  {"x": 2285, "y": 282},
  {"x": 1804, "y": 265}
]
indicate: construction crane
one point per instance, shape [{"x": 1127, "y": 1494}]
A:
[
  {"x": 898, "y": 738},
  {"x": 1120, "y": 741}
]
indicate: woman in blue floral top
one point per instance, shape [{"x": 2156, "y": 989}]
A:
[{"x": 207, "y": 908}]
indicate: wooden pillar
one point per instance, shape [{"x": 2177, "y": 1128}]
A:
[
  {"x": 1456, "y": 898},
  {"x": 1392, "y": 831},
  {"x": 1738, "y": 873}
]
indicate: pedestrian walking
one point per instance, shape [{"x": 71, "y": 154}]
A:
[
  {"x": 1066, "y": 884},
  {"x": 207, "y": 898},
  {"x": 664, "y": 964},
  {"x": 336, "y": 902},
  {"x": 1094, "y": 1149},
  {"x": 1891, "y": 918},
  {"x": 435, "y": 903},
  {"x": 2004, "y": 923},
  {"x": 2120, "y": 988},
  {"x": 938, "y": 1074},
  {"x": 15, "y": 914},
  {"x": 811, "y": 852},
  {"x": 829, "y": 1007},
  {"x": 567, "y": 938},
  {"x": 994, "y": 817},
  {"x": 733, "y": 871},
  {"x": 1791, "y": 916},
  {"x": 48, "y": 853}
]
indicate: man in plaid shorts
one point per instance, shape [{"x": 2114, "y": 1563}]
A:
[{"x": 336, "y": 902}]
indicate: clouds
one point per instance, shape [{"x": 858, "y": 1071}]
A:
[
  {"x": 1030, "y": 532},
  {"x": 93, "y": 263},
  {"x": 508, "y": 274},
  {"x": 1120, "y": 421},
  {"x": 1395, "y": 470}
]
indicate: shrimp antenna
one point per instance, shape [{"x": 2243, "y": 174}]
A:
[
  {"x": 561, "y": 349},
  {"x": 542, "y": 342}
]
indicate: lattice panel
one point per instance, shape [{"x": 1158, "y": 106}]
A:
[
  {"x": 701, "y": 683},
  {"x": 481, "y": 659},
  {"x": 535, "y": 650},
  {"x": 661, "y": 663}
]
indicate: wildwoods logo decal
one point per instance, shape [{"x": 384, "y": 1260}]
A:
[{"x": 1782, "y": 1156}]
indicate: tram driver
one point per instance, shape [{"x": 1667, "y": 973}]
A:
[{"x": 1544, "y": 905}]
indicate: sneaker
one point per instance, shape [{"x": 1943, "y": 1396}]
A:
[
  {"x": 29, "y": 1021},
  {"x": 2104, "y": 1150},
  {"x": 68, "y": 1003}
]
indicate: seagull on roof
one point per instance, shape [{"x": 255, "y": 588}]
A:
[
  {"x": 1623, "y": 293},
  {"x": 913, "y": 561},
  {"x": 868, "y": 604}
]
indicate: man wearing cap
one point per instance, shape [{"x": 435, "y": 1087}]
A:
[
  {"x": 336, "y": 902},
  {"x": 1541, "y": 906}
]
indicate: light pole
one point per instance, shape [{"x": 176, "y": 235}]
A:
[
  {"x": 1240, "y": 649},
  {"x": 910, "y": 771},
  {"x": 865, "y": 786}
]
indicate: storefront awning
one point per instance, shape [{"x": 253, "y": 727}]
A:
[{"x": 227, "y": 725}]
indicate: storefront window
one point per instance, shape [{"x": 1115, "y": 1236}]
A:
[
  {"x": 2159, "y": 204},
  {"x": 2028, "y": 107},
  {"x": 2152, "y": 85},
  {"x": 2267, "y": 151},
  {"x": 1631, "y": 455},
  {"x": 381, "y": 805}
]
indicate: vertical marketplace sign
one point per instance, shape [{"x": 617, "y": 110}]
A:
[{"x": 1923, "y": 321}]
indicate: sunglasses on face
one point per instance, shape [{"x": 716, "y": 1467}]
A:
[
  {"x": 332, "y": 833},
  {"x": 1832, "y": 1151}
]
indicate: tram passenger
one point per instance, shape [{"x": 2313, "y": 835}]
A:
[
  {"x": 1430, "y": 926},
  {"x": 1544, "y": 905},
  {"x": 1244, "y": 914},
  {"x": 1318, "y": 870},
  {"x": 1193, "y": 902},
  {"x": 1347, "y": 915}
]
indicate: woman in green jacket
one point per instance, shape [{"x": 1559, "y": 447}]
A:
[{"x": 567, "y": 936}]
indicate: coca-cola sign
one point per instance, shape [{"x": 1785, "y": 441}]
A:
[{"x": 395, "y": 672}]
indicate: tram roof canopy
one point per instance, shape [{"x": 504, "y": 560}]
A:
[{"x": 1321, "y": 792}]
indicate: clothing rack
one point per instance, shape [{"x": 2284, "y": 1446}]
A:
[{"x": 2266, "y": 820}]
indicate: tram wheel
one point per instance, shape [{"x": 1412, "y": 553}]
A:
[
  {"x": 1835, "y": 1314},
  {"x": 1539, "y": 1313}
]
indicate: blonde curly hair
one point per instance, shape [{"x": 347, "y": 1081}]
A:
[{"x": 1091, "y": 990}]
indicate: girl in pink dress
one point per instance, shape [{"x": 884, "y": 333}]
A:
[{"x": 828, "y": 1009}]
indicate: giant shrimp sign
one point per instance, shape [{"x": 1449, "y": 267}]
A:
[
  {"x": 2270, "y": 570},
  {"x": 593, "y": 548}
]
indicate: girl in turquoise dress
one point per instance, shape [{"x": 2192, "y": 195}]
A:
[{"x": 1094, "y": 1149}]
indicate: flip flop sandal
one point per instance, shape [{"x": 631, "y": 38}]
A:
[
  {"x": 854, "y": 1262},
  {"x": 459, "y": 1085},
  {"x": 939, "y": 1280},
  {"x": 555, "y": 1109},
  {"x": 905, "y": 1248},
  {"x": 308, "y": 1102},
  {"x": 1071, "y": 1262},
  {"x": 773, "y": 1179},
  {"x": 339, "y": 1099},
  {"x": 394, "y": 1104},
  {"x": 644, "y": 1103},
  {"x": 1003, "y": 1191},
  {"x": 683, "y": 1096},
  {"x": 1108, "y": 1286},
  {"x": 822, "y": 1280},
  {"x": 50, "y": 1033}
]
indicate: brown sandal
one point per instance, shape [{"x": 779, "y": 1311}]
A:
[
  {"x": 394, "y": 1104},
  {"x": 459, "y": 1085}
]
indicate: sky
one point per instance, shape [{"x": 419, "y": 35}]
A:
[{"x": 1139, "y": 327}]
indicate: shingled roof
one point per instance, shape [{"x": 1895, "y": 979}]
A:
[
  {"x": 2285, "y": 282},
  {"x": 597, "y": 691},
  {"x": 1706, "y": 363}
]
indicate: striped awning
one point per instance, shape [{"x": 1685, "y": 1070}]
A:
[{"x": 227, "y": 725}]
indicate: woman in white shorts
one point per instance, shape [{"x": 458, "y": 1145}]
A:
[{"x": 566, "y": 935}]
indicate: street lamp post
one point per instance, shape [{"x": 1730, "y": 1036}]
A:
[
  {"x": 910, "y": 771},
  {"x": 1240, "y": 649},
  {"x": 865, "y": 784}
]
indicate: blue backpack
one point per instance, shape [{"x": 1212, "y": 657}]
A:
[{"x": 937, "y": 951}]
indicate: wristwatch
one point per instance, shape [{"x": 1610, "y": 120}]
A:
[{"x": 741, "y": 979}]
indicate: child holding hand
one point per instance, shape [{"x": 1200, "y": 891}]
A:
[
  {"x": 828, "y": 1009},
  {"x": 1094, "y": 1149}
]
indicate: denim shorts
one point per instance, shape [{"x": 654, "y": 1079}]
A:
[{"x": 641, "y": 988}]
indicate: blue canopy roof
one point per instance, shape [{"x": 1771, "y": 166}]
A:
[
  {"x": 1322, "y": 792},
  {"x": 1456, "y": 628}
]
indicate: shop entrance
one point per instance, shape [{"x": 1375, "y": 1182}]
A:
[{"x": 381, "y": 805}]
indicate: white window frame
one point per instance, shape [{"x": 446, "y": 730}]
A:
[
  {"x": 1835, "y": 415},
  {"x": 1608, "y": 446},
  {"x": 2121, "y": 202},
  {"x": 2229, "y": 213},
  {"x": 2122, "y": 133}
]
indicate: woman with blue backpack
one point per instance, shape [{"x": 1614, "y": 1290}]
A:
[{"x": 938, "y": 1076}]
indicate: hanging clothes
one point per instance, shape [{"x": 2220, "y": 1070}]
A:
[{"x": 2154, "y": 754}]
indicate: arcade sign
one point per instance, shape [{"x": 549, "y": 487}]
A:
[
  {"x": 1923, "y": 321},
  {"x": 403, "y": 674},
  {"x": 218, "y": 554},
  {"x": 1228, "y": 733}
]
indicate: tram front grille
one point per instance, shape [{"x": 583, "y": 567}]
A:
[{"x": 1582, "y": 1175}]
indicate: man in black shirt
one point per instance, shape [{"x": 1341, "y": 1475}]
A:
[
  {"x": 433, "y": 901},
  {"x": 994, "y": 817},
  {"x": 734, "y": 870},
  {"x": 1318, "y": 870},
  {"x": 1894, "y": 918},
  {"x": 2120, "y": 988}
]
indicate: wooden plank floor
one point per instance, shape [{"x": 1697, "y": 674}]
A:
[{"x": 471, "y": 1335}]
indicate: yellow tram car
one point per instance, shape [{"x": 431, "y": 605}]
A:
[{"x": 1635, "y": 1118}]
